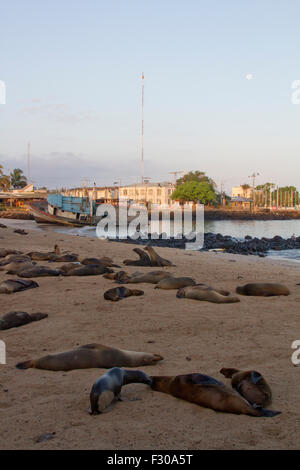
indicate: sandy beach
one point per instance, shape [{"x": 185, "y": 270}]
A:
[{"x": 192, "y": 336}]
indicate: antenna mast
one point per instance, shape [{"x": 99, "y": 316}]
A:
[
  {"x": 143, "y": 128},
  {"x": 28, "y": 162}
]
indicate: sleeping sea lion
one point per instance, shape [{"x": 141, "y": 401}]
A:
[
  {"x": 251, "y": 385},
  {"x": 108, "y": 387},
  {"x": 11, "y": 258},
  {"x": 43, "y": 256},
  {"x": 105, "y": 261},
  {"x": 202, "y": 292},
  {"x": 87, "y": 270},
  {"x": 39, "y": 271},
  {"x": 175, "y": 283},
  {"x": 15, "y": 319},
  {"x": 120, "y": 276},
  {"x": 263, "y": 289},
  {"x": 92, "y": 356},
  {"x": 208, "y": 392},
  {"x": 8, "y": 251},
  {"x": 16, "y": 285},
  {"x": 64, "y": 258},
  {"x": 118, "y": 293},
  {"x": 16, "y": 266},
  {"x": 153, "y": 277},
  {"x": 20, "y": 231}
]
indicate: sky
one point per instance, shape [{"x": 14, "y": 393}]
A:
[{"x": 218, "y": 90}]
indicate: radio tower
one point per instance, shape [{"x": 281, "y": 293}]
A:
[
  {"x": 28, "y": 162},
  {"x": 143, "y": 128}
]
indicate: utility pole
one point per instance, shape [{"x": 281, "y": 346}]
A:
[
  {"x": 175, "y": 173},
  {"x": 28, "y": 162},
  {"x": 143, "y": 128},
  {"x": 253, "y": 176}
]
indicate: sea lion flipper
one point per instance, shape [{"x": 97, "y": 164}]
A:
[
  {"x": 201, "y": 379},
  {"x": 228, "y": 373},
  {"x": 269, "y": 413}
]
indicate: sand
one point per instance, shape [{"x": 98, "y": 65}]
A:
[{"x": 193, "y": 336}]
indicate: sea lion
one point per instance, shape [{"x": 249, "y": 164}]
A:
[
  {"x": 108, "y": 387},
  {"x": 263, "y": 289},
  {"x": 105, "y": 261},
  {"x": 64, "y": 258},
  {"x": 87, "y": 270},
  {"x": 175, "y": 283},
  {"x": 39, "y": 271},
  {"x": 118, "y": 293},
  {"x": 251, "y": 385},
  {"x": 208, "y": 392},
  {"x": 20, "y": 231},
  {"x": 92, "y": 356},
  {"x": 143, "y": 260},
  {"x": 11, "y": 258},
  {"x": 202, "y": 292},
  {"x": 15, "y": 319},
  {"x": 120, "y": 276},
  {"x": 3, "y": 226},
  {"x": 44, "y": 256},
  {"x": 8, "y": 251},
  {"x": 16, "y": 285},
  {"x": 16, "y": 266},
  {"x": 157, "y": 260},
  {"x": 153, "y": 277}
]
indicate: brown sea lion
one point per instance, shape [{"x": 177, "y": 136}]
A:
[
  {"x": 87, "y": 270},
  {"x": 208, "y": 392},
  {"x": 39, "y": 271},
  {"x": 63, "y": 258},
  {"x": 263, "y": 289},
  {"x": 157, "y": 260},
  {"x": 118, "y": 293},
  {"x": 15, "y": 266},
  {"x": 175, "y": 283},
  {"x": 11, "y": 258},
  {"x": 8, "y": 251},
  {"x": 105, "y": 261},
  {"x": 153, "y": 277},
  {"x": 20, "y": 231},
  {"x": 202, "y": 292},
  {"x": 108, "y": 387},
  {"x": 120, "y": 276},
  {"x": 92, "y": 356},
  {"x": 143, "y": 260},
  {"x": 16, "y": 285},
  {"x": 15, "y": 319},
  {"x": 251, "y": 385},
  {"x": 44, "y": 256},
  {"x": 3, "y": 226}
]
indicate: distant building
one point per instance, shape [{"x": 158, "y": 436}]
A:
[
  {"x": 238, "y": 202},
  {"x": 243, "y": 192}
]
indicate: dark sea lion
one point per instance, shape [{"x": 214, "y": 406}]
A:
[
  {"x": 10, "y": 258},
  {"x": 16, "y": 285},
  {"x": 175, "y": 283},
  {"x": 92, "y": 356},
  {"x": 202, "y": 292},
  {"x": 44, "y": 256},
  {"x": 263, "y": 289},
  {"x": 3, "y": 226},
  {"x": 208, "y": 392},
  {"x": 15, "y": 319},
  {"x": 20, "y": 231},
  {"x": 118, "y": 293},
  {"x": 39, "y": 271},
  {"x": 157, "y": 260},
  {"x": 143, "y": 260},
  {"x": 87, "y": 270},
  {"x": 108, "y": 387},
  {"x": 251, "y": 385},
  {"x": 153, "y": 277},
  {"x": 64, "y": 258}
]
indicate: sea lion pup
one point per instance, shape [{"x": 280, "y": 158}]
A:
[
  {"x": 87, "y": 270},
  {"x": 263, "y": 289},
  {"x": 39, "y": 271},
  {"x": 143, "y": 260},
  {"x": 118, "y": 293},
  {"x": 208, "y": 392},
  {"x": 16, "y": 285},
  {"x": 157, "y": 260},
  {"x": 120, "y": 276},
  {"x": 92, "y": 356},
  {"x": 15, "y": 319},
  {"x": 175, "y": 283},
  {"x": 8, "y": 251},
  {"x": 202, "y": 292},
  {"x": 108, "y": 387},
  {"x": 153, "y": 277},
  {"x": 105, "y": 261},
  {"x": 251, "y": 385}
]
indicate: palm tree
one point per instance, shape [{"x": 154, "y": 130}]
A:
[
  {"x": 17, "y": 179},
  {"x": 4, "y": 180}
]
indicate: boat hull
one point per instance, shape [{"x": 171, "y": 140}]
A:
[{"x": 42, "y": 216}]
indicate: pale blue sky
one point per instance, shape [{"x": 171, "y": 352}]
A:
[{"x": 73, "y": 75}]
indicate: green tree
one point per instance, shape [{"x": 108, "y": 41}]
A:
[
  {"x": 198, "y": 176},
  {"x": 4, "y": 180},
  {"x": 17, "y": 179},
  {"x": 195, "y": 191}
]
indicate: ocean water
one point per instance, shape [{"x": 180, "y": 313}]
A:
[{"x": 235, "y": 228}]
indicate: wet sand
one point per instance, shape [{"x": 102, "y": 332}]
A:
[{"x": 256, "y": 333}]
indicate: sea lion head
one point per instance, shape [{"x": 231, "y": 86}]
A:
[{"x": 181, "y": 293}]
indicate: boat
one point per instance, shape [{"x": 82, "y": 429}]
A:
[{"x": 64, "y": 210}]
